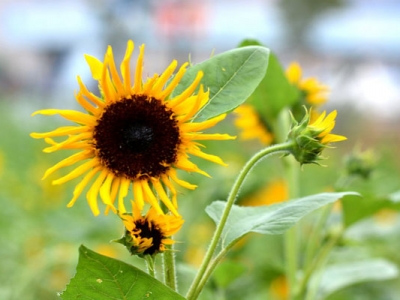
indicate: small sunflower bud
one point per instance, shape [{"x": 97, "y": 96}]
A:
[
  {"x": 310, "y": 139},
  {"x": 360, "y": 163}
]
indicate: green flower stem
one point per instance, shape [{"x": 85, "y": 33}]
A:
[
  {"x": 291, "y": 251},
  {"x": 281, "y": 128},
  {"x": 169, "y": 267},
  {"x": 213, "y": 264},
  {"x": 316, "y": 265},
  {"x": 312, "y": 244},
  {"x": 150, "y": 265},
  {"x": 275, "y": 149}
]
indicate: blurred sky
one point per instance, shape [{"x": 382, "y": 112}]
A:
[{"x": 353, "y": 45}]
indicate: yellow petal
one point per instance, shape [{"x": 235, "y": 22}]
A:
[
  {"x": 137, "y": 87},
  {"x": 193, "y": 127},
  {"x": 188, "y": 92},
  {"x": 76, "y": 172},
  {"x": 83, "y": 89},
  {"x": 93, "y": 192},
  {"x": 125, "y": 66},
  {"x": 61, "y": 131},
  {"x": 162, "y": 80},
  {"x": 138, "y": 194},
  {"x": 183, "y": 183},
  {"x": 174, "y": 82},
  {"x": 213, "y": 158},
  {"x": 123, "y": 192},
  {"x": 114, "y": 73},
  {"x": 68, "y": 162},
  {"x": 150, "y": 198},
  {"x": 71, "y": 115},
  {"x": 105, "y": 191},
  {"x": 211, "y": 136},
  {"x": 95, "y": 65},
  {"x": 81, "y": 185},
  {"x": 164, "y": 198},
  {"x": 293, "y": 73}
]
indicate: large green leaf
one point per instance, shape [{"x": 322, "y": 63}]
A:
[
  {"x": 272, "y": 219},
  {"x": 274, "y": 91},
  {"x": 100, "y": 277},
  {"x": 231, "y": 77},
  {"x": 339, "y": 276}
]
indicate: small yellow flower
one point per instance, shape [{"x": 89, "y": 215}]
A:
[
  {"x": 251, "y": 125},
  {"x": 310, "y": 138},
  {"x": 314, "y": 92},
  {"x": 274, "y": 192},
  {"x": 148, "y": 234},
  {"x": 134, "y": 136}
]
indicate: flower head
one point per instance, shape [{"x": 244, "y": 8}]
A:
[
  {"x": 148, "y": 234},
  {"x": 312, "y": 92},
  {"x": 135, "y": 134},
  {"x": 360, "y": 163},
  {"x": 251, "y": 125},
  {"x": 311, "y": 138}
]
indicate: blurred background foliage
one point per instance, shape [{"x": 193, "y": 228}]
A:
[{"x": 352, "y": 46}]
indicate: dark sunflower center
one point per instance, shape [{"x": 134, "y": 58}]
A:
[
  {"x": 137, "y": 138},
  {"x": 150, "y": 230}
]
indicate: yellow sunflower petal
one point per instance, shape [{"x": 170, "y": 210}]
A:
[
  {"x": 293, "y": 73},
  {"x": 123, "y": 192},
  {"x": 92, "y": 97},
  {"x": 93, "y": 192},
  {"x": 164, "y": 198},
  {"x": 210, "y": 136},
  {"x": 74, "y": 158},
  {"x": 105, "y": 190},
  {"x": 76, "y": 172},
  {"x": 183, "y": 183},
  {"x": 137, "y": 87},
  {"x": 71, "y": 115},
  {"x": 174, "y": 82},
  {"x": 193, "y": 127},
  {"x": 149, "y": 196},
  {"x": 69, "y": 141},
  {"x": 85, "y": 104},
  {"x": 95, "y": 65},
  {"x": 197, "y": 152},
  {"x": 188, "y": 92},
  {"x": 125, "y": 67},
  {"x": 162, "y": 80},
  {"x": 114, "y": 73},
  {"x": 61, "y": 131},
  {"x": 81, "y": 185},
  {"x": 114, "y": 191},
  {"x": 138, "y": 194}
]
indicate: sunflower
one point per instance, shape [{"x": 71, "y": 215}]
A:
[
  {"x": 134, "y": 135},
  {"x": 315, "y": 93},
  {"x": 323, "y": 126},
  {"x": 251, "y": 125},
  {"x": 150, "y": 233},
  {"x": 310, "y": 138}
]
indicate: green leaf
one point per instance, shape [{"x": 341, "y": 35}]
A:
[
  {"x": 231, "y": 77},
  {"x": 227, "y": 272},
  {"x": 275, "y": 91},
  {"x": 339, "y": 276},
  {"x": 272, "y": 219},
  {"x": 100, "y": 277}
]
